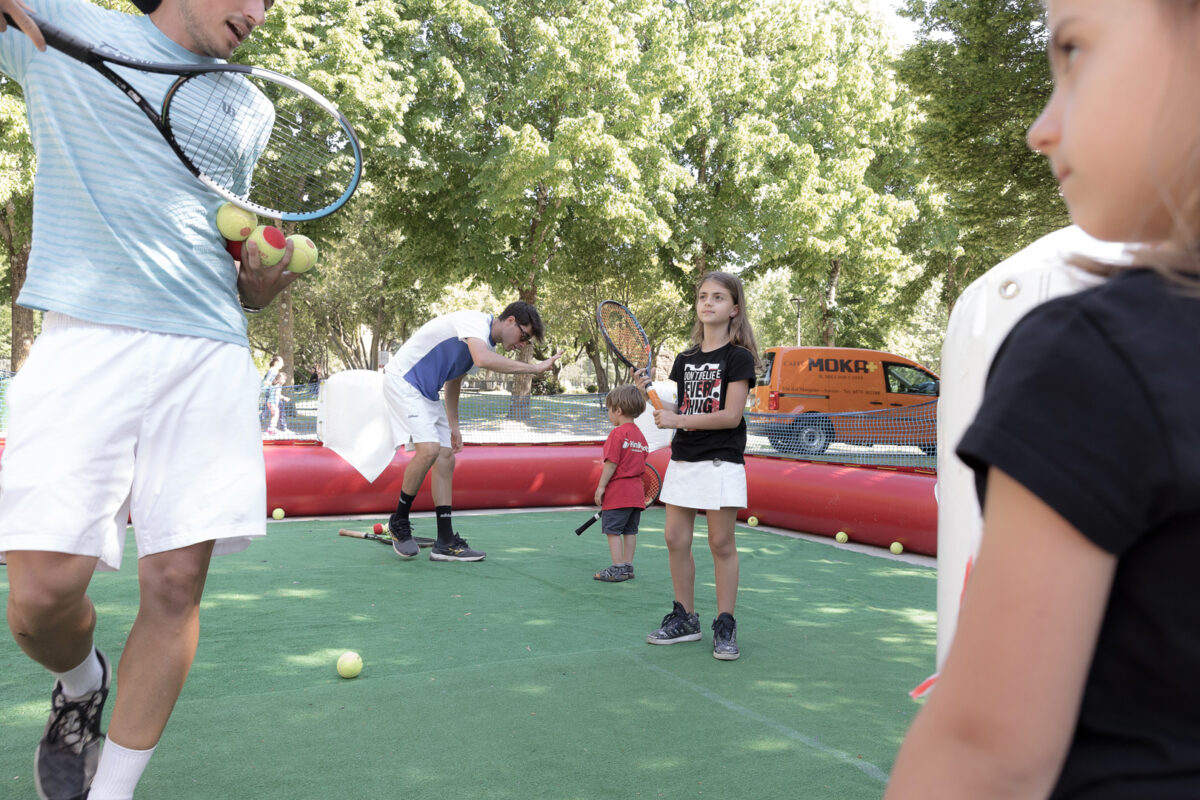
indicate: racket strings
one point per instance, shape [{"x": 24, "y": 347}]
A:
[
  {"x": 262, "y": 141},
  {"x": 651, "y": 485},
  {"x": 625, "y": 335}
]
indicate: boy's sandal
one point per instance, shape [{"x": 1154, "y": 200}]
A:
[{"x": 611, "y": 574}]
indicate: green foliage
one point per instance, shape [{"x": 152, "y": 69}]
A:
[{"x": 980, "y": 75}]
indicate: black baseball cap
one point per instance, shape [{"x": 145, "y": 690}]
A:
[{"x": 146, "y": 6}]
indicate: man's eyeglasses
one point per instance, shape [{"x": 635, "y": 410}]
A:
[{"x": 525, "y": 335}]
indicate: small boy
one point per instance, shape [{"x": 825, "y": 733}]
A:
[{"x": 620, "y": 494}]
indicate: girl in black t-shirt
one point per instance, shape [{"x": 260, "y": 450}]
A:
[
  {"x": 1072, "y": 673},
  {"x": 707, "y": 469}
]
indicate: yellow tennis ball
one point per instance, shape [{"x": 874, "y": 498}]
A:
[
  {"x": 349, "y": 664},
  {"x": 897, "y": 548},
  {"x": 235, "y": 224},
  {"x": 751, "y": 521},
  {"x": 842, "y": 537},
  {"x": 277, "y": 513},
  {"x": 270, "y": 241},
  {"x": 304, "y": 253}
]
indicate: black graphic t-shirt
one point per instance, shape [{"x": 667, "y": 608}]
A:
[{"x": 701, "y": 379}]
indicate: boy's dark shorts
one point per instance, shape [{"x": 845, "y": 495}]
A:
[{"x": 620, "y": 521}]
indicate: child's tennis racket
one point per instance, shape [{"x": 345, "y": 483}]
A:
[
  {"x": 261, "y": 140},
  {"x": 627, "y": 340},
  {"x": 651, "y": 486}
]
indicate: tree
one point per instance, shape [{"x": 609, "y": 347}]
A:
[{"x": 980, "y": 75}]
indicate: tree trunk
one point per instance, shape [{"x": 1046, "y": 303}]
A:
[
  {"x": 592, "y": 348},
  {"x": 22, "y": 318},
  {"x": 520, "y": 405},
  {"x": 287, "y": 334},
  {"x": 829, "y": 303}
]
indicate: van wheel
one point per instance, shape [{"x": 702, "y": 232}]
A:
[{"x": 809, "y": 435}]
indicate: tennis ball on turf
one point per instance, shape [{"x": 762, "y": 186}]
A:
[
  {"x": 897, "y": 548},
  {"x": 277, "y": 513},
  {"x": 378, "y": 527},
  {"x": 270, "y": 241},
  {"x": 349, "y": 664},
  {"x": 751, "y": 521},
  {"x": 235, "y": 224},
  {"x": 304, "y": 253},
  {"x": 842, "y": 537}
]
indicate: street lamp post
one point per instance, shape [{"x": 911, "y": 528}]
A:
[{"x": 796, "y": 301}]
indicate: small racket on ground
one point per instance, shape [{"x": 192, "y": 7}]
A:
[
  {"x": 651, "y": 486},
  {"x": 627, "y": 339},
  {"x": 261, "y": 140},
  {"x": 382, "y": 538}
]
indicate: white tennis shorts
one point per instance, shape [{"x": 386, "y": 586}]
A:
[
  {"x": 704, "y": 485},
  {"x": 108, "y": 422},
  {"x": 413, "y": 416}
]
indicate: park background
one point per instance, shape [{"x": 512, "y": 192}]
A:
[{"x": 857, "y": 168}]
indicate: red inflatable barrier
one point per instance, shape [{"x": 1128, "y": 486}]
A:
[{"x": 873, "y": 506}]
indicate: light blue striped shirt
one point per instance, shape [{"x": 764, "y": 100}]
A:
[{"x": 122, "y": 232}]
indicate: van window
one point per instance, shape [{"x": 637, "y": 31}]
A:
[
  {"x": 903, "y": 379},
  {"x": 768, "y": 360}
]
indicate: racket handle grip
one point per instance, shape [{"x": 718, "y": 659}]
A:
[
  {"x": 653, "y": 397},
  {"x": 352, "y": 534},
  {"x": 591, "y": 521}
]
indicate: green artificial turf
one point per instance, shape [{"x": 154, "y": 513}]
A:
[{"x": 520, "y": 676}]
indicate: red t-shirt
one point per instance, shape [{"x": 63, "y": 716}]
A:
[{"x": 627, "y": 448}]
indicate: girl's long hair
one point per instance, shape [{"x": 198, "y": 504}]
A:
[{"x": 740, "y": 332}]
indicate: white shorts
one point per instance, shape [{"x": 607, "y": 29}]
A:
[
  {"x": 708, "y": 485},
  {"x": 413, "y": 416},
  {"x": 108, "y": 423}
]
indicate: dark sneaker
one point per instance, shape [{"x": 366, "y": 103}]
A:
[
  {"x": 456, "y": 550},
  {"x": 69, "y": 752},
  {"x": 403, "y": 542},
  {"x": 678, "y": 626},
  {"x": 725, "y": 638},
  {"x": 613, "y": 573},
  {"x": 628, "y": 570}
]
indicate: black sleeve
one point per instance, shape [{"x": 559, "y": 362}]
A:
[
  {"x": 1066, "y": 416},
  {"x": 741, "y": 366}
]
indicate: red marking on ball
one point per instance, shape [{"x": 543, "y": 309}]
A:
[{"x": 274, "y": 237}]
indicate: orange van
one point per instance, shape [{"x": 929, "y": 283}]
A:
[{"x": 843, "y": 394}]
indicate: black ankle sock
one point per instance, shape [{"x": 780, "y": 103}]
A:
[
  {"x": 402, "y": 509},
  {"x": 445, "y": 526}
]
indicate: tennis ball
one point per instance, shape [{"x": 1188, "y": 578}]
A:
[
  {"x": 234, "y": 249},
  {"x": 378, "y": 527},
  {"x": 304, "y": 253},
  {"x": 842, "y": 537},
  {"x": 235, "y": 224},
  {"x": 349, "y": 664},
  {"x": 270, "y": 241},
  {"x": 897, "y": 548},
  {"x": 277, "y": 513},
  {"x": 751, "y": 521}
]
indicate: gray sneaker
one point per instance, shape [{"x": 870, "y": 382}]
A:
[
  {"x": 455, "y": 550},
  {"x": 678, "y": 626},
  {"x": 725, "y": 638},
  {"x": 67, "y": 757},
  {"x": 403, "y": 543}
]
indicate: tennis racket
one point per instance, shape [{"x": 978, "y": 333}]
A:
[
  {"x": 383, "y": 538},
  {"x": 261, "y": 140},
  {"x": 627, "y": 340},
  {"x": 651, "y": 486}
]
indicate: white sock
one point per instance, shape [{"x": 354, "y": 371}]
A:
[
  {"x": 119, "y": 772},
  {"x": 85, "y": 678}
]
